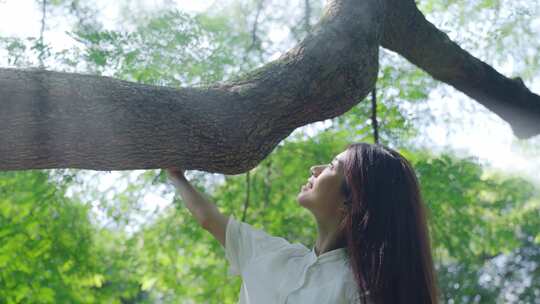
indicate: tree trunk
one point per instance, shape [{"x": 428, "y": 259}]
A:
[{"x": 60, "y": 120}]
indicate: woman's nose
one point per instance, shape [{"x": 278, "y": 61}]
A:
[{"x": 315, "y": 170}]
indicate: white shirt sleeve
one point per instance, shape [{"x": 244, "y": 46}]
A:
[{"x": 243, "y": 243}]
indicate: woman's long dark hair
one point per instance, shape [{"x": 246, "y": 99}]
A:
[{"x": 385, "y": 229}]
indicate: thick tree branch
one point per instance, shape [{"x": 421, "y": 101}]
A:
[
  {"x": 407, "y": 32},
  {"x": 60, "y": 120}
]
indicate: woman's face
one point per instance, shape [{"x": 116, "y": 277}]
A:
[{"x": 322, "y": 194}]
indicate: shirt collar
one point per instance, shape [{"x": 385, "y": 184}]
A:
[{"x": 332, "y": 255}]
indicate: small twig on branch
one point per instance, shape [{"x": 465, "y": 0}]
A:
[
  {"x": 246, "y": 202},
  {"x": 307, "y": 16},
  {"x": 41, "y": 33},
  {"x": 254, "y": 37}
]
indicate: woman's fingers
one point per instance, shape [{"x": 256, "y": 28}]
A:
[{"x": 176, "y": 173}]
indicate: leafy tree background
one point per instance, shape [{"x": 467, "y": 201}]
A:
[{"x": 66, "y": 239}]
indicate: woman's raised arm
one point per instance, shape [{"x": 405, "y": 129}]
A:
[{"x": 206, "y": 213}]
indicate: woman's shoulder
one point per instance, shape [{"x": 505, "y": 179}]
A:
[
  {"x": 287, "y": 250},
  {"x": 262, "y": 241}
]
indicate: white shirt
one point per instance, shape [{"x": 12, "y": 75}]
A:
[{"x": 276, "y": 271}]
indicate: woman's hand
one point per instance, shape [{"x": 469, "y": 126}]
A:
[{"x": 177, "y": 175}]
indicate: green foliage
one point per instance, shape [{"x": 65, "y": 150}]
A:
[
  {"x": 45, "y": 251},
  {"x": 24, "y": 52},
  {"x": 171, "y": 48},
  {"x": 478, "y": 220}
]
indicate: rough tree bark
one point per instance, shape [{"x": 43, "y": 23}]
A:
[{"x": 59, "y": 120}]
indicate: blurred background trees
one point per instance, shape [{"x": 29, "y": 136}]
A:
[{"x": 78, "y": 236}]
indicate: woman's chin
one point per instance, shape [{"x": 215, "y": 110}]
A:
[{"x": 301, "y": 197}]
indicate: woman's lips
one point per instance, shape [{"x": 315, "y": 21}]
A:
[{"x": 307, "y": 186}]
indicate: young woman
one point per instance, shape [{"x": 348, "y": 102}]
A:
[{"x": 372, "y": 244}]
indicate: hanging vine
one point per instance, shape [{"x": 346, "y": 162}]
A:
[
  {"x": 246, "y": 202},
  {"x": 374, "y": 122}
]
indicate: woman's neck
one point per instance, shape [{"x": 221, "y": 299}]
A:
[{"x": 328, "y": 238}]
